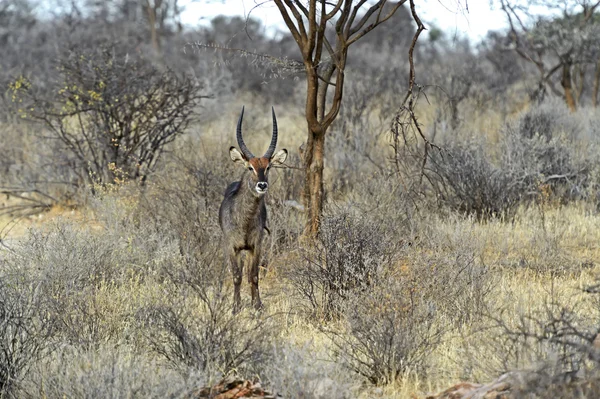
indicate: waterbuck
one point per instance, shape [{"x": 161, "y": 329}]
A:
[{"x": 243, "y": 213}]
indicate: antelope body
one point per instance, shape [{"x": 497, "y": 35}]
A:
[{"x": 243, "y": 213}]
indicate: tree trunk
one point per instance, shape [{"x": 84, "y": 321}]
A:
[
  {"x": 314, "y": 191},
  {"x": 581, "y": 71},
  {"x": 313, "y": 156},
  {"x": 596, "y": 85},
  {"x": 152, "y": 24},
  {"x": 566, "y": 83},
  {"x": 313, "y": 184}
]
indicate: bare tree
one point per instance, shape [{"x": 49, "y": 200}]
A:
[
  {"x": 324, "y": 32},
  {"x": 161, "y": 16},
  {"x": 561, "y": 48},
  {"x": 158, "y": 12}
]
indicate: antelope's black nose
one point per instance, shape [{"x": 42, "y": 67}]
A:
[{"x": 262, "y": 185}]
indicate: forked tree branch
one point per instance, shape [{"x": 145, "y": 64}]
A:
[
  {"x": 378, "y": 21},
  {"x": 353, "y": 16},
  {"x": 298, "y": 17},
  {"x": 289, "y": 23},
  {"x": 411, "y": 52}
]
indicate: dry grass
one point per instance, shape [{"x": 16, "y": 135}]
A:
[
  {"x": 531, "y": 263},
  {"x": 146, "y": 238},
  {"x": 548, "y": 252}
]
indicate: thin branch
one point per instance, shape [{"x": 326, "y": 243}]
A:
[
  {"x": 284, "y": 62},
  {"x": 299, "y": 20},
  {"x": 353, "y": 16},
  {"x": 377, "y": 22},
  {"x": 250, "y": 13},
  {"x": 411, "y": 51},
  {"x": 289, "y": 23},
  {"x": 334, "y": 11}
]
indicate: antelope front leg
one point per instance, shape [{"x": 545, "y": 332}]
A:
[
  {"x": 236, "y": 270},
  {"x": 253, "y": 278}
]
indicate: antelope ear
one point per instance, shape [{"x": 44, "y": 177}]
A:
[
  {"x": 279, "y": 157},
  {"x": 236, "y": 156}
]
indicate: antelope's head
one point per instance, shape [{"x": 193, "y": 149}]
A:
[{"x": 258, "y": 168}]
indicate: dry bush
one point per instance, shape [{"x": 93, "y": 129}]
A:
[
  {"x": 29, "y": 181},
  {"x": 386, "y": 332},
  {"x": 394, "y": 326},
  {"x": 113, "y": 113},
  {"x": 465, "y": 180},
  {"x": 550, "y": 146},
  {"x": 393, "y": 319},
  {"x": 546, "y": 148},
  {"x": 76, "y": 269},
  {"x": 300, "y": 371},
  {"x": 196, "y": 328},
  {"x": 348, "y": 258},
  {"x": 25, "y": 327},
  {"x": 208, "y": 339},
  {"x": 557, "y": 345},
  {"x": 107, "y": 372}
]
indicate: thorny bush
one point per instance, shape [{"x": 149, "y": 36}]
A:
[
  {"x": 113, "y": 113},
  {"x": 347, "y": 259},
  {"x": 25, "y": 327}
]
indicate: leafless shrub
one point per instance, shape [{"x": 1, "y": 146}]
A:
[
  {"x": 453, "y": 279},
  {"x": 545, "y": 152},
  {"x": 558, "y": 347},
  {"x": 547, "y": 147},
  {"x": 465, "y": 180},
  {"x": 25, "y": 328},
  {"x": 76, "y": 268},
  {"x": 113, "y": 113},
  {"x": 70, "y": 265},
  {"x": 198, "y": 329},
  {"x": 390, "y": 329},
  {"x": 30, "y": 183},
  {"x": 105, "y": 372},
  {"x": 348, "y": 258}
]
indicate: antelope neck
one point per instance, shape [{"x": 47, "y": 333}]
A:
[{"x": 249, "y": 200}]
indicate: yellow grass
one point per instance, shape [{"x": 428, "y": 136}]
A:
[{"x": 537, "y": 236}]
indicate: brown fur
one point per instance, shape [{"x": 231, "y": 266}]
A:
[{"x": 259, "y": 163}]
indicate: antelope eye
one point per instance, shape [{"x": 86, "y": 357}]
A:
[{"x": 249, "y": 167}]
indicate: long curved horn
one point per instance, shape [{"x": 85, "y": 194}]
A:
[
  {"x": 240, "y": 140},
  {"x": 271, "y": 148}
]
